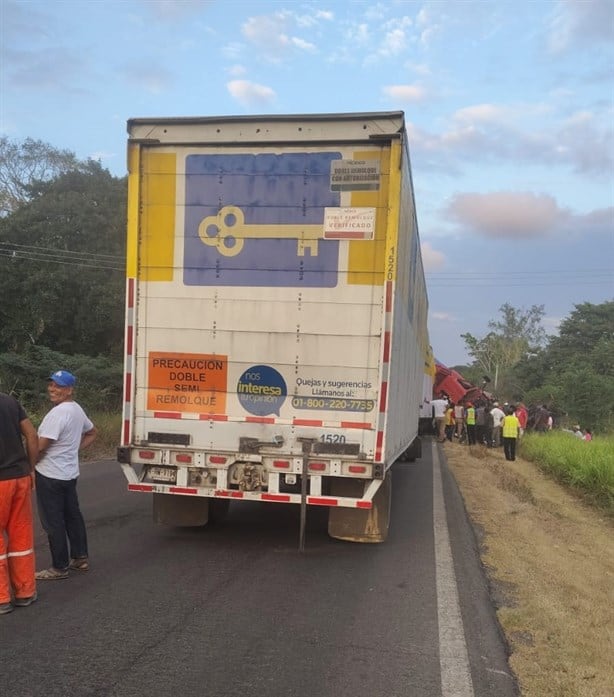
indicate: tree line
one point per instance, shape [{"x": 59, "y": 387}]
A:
[
  {"x": 62, "y": 273},
  {"x": 62, "y": 284},
  {"x": 572, "y": 372}
]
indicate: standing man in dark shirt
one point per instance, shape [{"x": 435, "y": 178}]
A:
[{"x": 16, "y": 529}]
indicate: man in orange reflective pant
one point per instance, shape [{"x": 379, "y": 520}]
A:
[{"x": 16, "y": 530}]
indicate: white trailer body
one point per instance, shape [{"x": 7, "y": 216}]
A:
[{"x": 275, "y": 316}]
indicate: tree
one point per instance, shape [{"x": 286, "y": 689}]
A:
[
  {"x": 575, "y": 371},
  {"x": 23, "y": 164},
  {"x": 518, "y": 333},
  {"x": 62, "y": 265}
]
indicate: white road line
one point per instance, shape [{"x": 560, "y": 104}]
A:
[{"x": 453, "y": 658}]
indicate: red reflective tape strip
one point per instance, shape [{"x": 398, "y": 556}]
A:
[
  {"x": 167, "y": 415},
  {"x": 306, "y": 422},
  {"x": 126, "y": 439},
  {"x": 378, "y": 446},
  {"x": 320, "y": 501},
  {"x": 356, "y": 424},
  {"x": 131, "y": 293},
  {"x": 389, "y": 296},
  {"x": 128, "y": 390},
  {"x": 276, "y": 497},
  {"x": 386, "y": 357},
  {"x": 231, "y": 494},
  {"x": 140, "y": 487},
  {"x": 129, "y": 340},
  {"x": 364, "y": 504},
  {"x": 213, "y": 417},
  {"x": 260, "y": 419},
  {"x": 383, "y": 397},
  {"x": 182, "y": 490}
]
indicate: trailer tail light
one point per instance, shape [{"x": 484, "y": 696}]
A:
[
  {"x": 218, "y": 459},
  {"x": 281, "y": 464},
  {"x": 147, "y": 454},
  {"x": 317, "y": 466},
  {"x": 357, "y": 469},
  {"x": 184, "y": 459}
]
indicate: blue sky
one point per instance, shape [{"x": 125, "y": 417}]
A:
[{"x": 509, "y": 106}]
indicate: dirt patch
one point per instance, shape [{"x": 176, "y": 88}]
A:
[{"x": 550, "y": 562}]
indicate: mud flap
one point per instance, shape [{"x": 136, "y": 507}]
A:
[
  {"x": 358, "y": 524},
  {"x": 180, "y": 511}
]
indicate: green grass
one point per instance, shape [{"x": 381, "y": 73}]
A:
[
  {"x": 587, "y": 467},
  {"x": 109, "y": 432}
]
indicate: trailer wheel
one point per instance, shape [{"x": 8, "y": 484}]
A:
[
  {"x": 413, "y": 452},
  {"x": 358, "y": 524}
]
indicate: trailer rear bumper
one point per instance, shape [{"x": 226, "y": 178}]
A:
[{"x": 137, "y": 484}]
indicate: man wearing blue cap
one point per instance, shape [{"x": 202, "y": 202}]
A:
[{"x": 64, "y": 431}]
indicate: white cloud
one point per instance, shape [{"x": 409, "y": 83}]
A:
[
  {"x": 431, "y": 258},
  {"x": 491, "y": 132},
  {"x": 237, "y": 70},
  {"x": 481, "y": 113},
  {"x": 524, "y": 215},
  {"x": 442, "y": 316},
  {"x": 171, "y": 10},
  {"x": 250, "y": 93},
  {"x": 507, "y": 214},
  {"x": 405, "y": 93},
  {"x": 581, "y": 23},
  {"x": 273, "y": 35},
  {"x": 303, "y": 45}
]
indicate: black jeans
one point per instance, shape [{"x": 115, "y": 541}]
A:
[
  {"x": 61, "y": 518},
  {"x": 509, "y": 448}
]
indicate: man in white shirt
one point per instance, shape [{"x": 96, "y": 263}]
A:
[
  {"x": 439, "y": 412},
  {"x": 497, "y": 421},
  {"x": 63, "y": 432}
]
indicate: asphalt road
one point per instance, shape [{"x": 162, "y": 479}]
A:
[{"x": 236, "y": 610}]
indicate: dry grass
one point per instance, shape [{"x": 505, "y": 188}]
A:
[{"x": 553, "y": 557}]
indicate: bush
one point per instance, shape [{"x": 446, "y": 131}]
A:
[{"x": 24, "y": 375}]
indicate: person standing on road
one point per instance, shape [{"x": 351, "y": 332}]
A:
[
  {"x": 470, "y": 422},
  {"x": 459, "y": 419},
  {"x": 449, "y": 422},
  {"x": 439, "y": 413},
  {"x": 510, "y": 430},
  {"x": 63, "y": 432},
  {"x": 16, "y": 527},
  {"x": 523, "y": 417},
  {"x": 497, "y": 422}
]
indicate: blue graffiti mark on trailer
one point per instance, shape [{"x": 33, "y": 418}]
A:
[{"x": 270, "y": 199}]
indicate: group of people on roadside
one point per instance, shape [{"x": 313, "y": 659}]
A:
[
  {"x": 480, "y": 422},
  {"x": 492, "y": 424},
  {"x": 47, "y": 460}
]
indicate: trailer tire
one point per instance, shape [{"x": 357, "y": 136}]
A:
[
  {"x": 359, "y": 524},
  {"x": 414, "y": 451}
]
